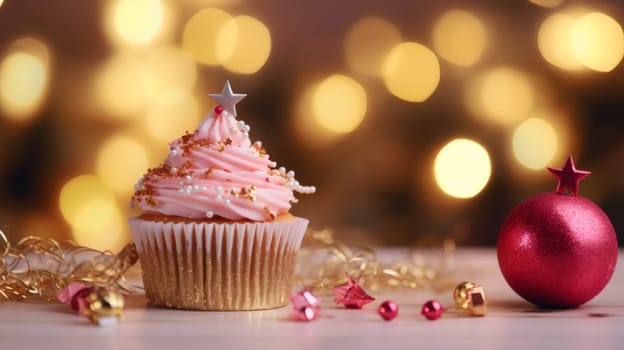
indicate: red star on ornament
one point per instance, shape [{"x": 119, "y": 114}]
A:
[
  {"x": 351, "y": 294},
  {"x": 569, "y": 177}
]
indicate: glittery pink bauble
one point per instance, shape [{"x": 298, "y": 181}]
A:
[
  {"x": 557, "y": 250},
  {"x": 388, "y": 310},
  {"x": 432, "y": 310}
]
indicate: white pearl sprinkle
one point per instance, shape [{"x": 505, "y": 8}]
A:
[
  {"x": 290, "y": 173},
  {"x": 180, "y": 183},
  {"x": 196, "y": 187},
  {"x": 173, "y": 170},
  {"x": 173, "y": 152},
  {"x": 227, "y": 202},
  {"x": 219, "y": 198},
  {"x": 219, "y": 189},
  {"x": 188, "y": 177},
  {"x": 204, "y": 188},
  {"x": 209, "y": 214}
]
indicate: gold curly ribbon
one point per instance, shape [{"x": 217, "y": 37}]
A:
[
  {"x": 38, "y": 268},
  {"x": 323, "y": 261}
]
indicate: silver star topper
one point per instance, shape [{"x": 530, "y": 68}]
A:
[{"x": 228, "y": 99}]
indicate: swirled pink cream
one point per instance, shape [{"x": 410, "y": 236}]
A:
[{"x": 216, "y": 172}]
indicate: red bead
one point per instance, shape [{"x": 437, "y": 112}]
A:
[
  {"x": 388, "y": 310},
  {"x": 557, "y": 250},
  {"x": 218, "y": 109},
  {"x": 432, "y": 310}
]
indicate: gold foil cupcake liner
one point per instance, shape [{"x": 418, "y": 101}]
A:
[{"x": 210, "y": 266}]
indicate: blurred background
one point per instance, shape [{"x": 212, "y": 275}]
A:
[{"x": 416, "y": 120}]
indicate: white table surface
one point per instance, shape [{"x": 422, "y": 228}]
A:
[{"x": 510, "y": 323}]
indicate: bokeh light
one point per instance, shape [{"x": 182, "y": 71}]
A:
[
  {"x": 24, "y": 76},
  {"x": 411, "y": 72},
  {"x": 462, "y": 168},
  {"x": 89, "y": 206},
  {"x": 124, "y": 85},
  {"x": 598, "y": 42},
  {"x": 137, "y": 21},
  {"x": 167, "y": 119},
  {"x": 555, "y": 41},
  {"x": 161, "y": 73},
  {"x": 534, "y": 143},
  {"x": 459, "y": 37},
  {"x": 503, "y": 95},
  {"x": 368, "y": 42},
  {"x": 121, "y": 160},
  {"x": 111, "y": 236},
  {"x": 339, "y": 104},
  {"x": 547, "y": 3},
  {"x": 208, "y": 37},
  {"x": 252, "y": 44}
]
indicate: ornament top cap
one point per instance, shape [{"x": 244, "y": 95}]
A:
[{"x": 569, "y": 177}]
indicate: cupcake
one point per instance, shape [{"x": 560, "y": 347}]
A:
[{"x": 215, "y": 232}]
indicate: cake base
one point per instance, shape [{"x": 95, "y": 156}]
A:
[{"x": 218, "y": 266}]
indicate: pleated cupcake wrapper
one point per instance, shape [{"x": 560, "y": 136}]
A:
[{"x": 209, "y": 266}]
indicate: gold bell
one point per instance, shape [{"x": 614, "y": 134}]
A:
[
  {"x": 470, "y": 298},
  {"x": 105, "y": 306}
]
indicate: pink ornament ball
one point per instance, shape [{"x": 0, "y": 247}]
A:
[{"x": 557, "y": 250}]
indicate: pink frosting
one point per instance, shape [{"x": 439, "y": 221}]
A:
[{"x": 217, "y": 172}]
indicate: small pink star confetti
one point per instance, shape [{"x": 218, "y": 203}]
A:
[
  {"x": 305, "y": 305},
  {"x": 569, "y": 177},
  {"x": 351, "y": 294}
]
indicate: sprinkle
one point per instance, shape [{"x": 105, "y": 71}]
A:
[
  {"x": 208, "y": 172},
  {"x": 269, "y": 214},
  {"x": 173, "y": 152},
  {"x": 173, "y": 170},
  {"x": 188, "y": 177},
  {"x": 219, "y": 189},
  {"x": 219, "y": 198},
  {"x": 227, "y": 202},
  {"x": 209, "y": 214},
  {"x": 196, "y": 187}
]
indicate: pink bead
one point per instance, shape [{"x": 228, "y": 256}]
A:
[
  {"x": 66, "y": 294},
  {"x": 79, "y": 300},
  {"x": 218, "y": 109},
  {"x": 305, "y": 305},
  {"x": 432, "y": 310},
  {"x": 388, "y": 310},
  {"x": 305, "y": 313}
]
